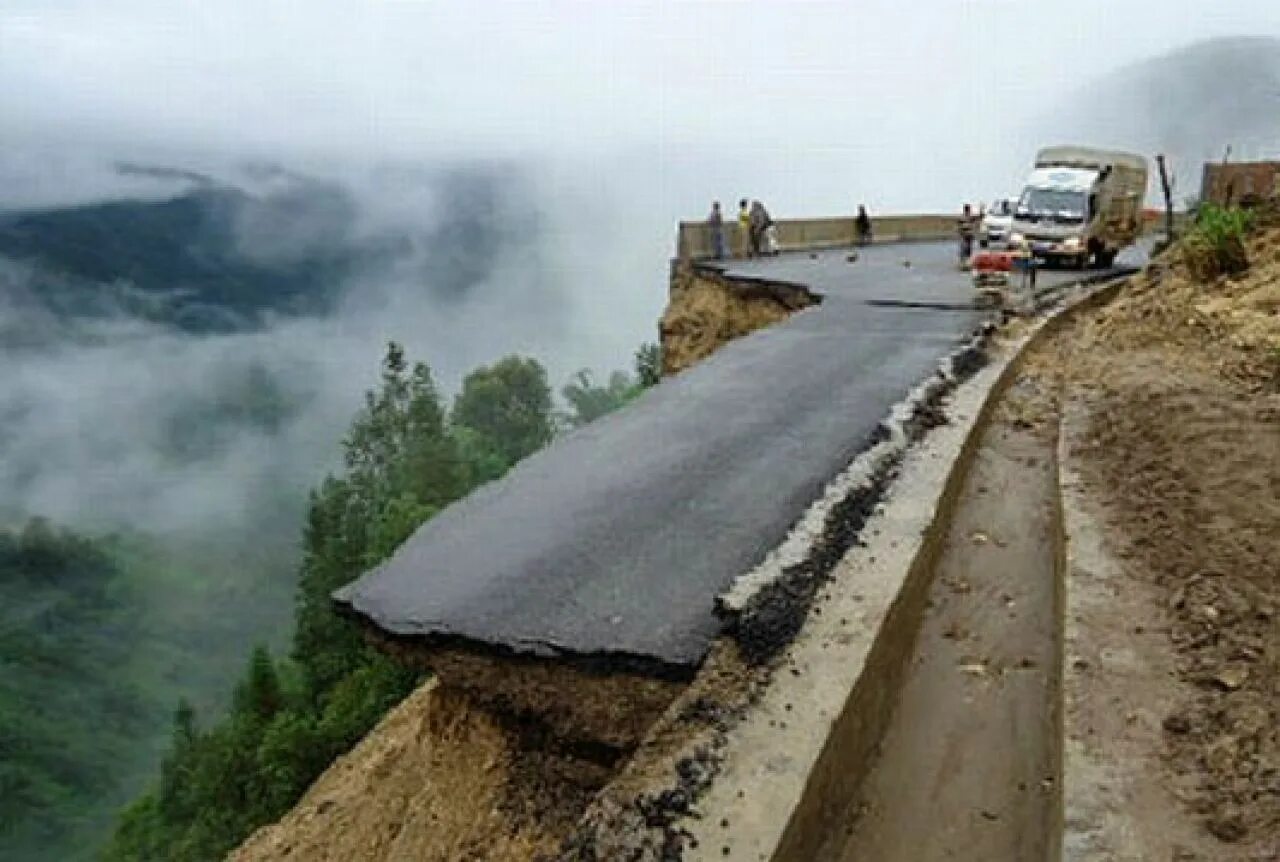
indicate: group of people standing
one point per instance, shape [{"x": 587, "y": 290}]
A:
[{"x": 756, "y": 233}]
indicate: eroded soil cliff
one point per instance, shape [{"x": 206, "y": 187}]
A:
[{"x": 708, "y": 309}]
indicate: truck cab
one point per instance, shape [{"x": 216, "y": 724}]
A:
[{"x": 1080, "y": 205}]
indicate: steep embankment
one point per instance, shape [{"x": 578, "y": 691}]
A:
[
  {"x": 707, "y": 309},
  {"x": 436, "y": 779},
  {"x": 1171, "y": 405}
]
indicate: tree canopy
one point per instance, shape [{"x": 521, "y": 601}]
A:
[{"x": 405, "y": 459}]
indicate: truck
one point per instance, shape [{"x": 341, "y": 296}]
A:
[{"x": 1080, "y": 206}]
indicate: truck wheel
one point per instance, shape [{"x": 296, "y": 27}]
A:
[{"x": 1106, "y": 257}]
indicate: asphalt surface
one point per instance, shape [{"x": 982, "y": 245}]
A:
[{"x": 611, "y": 545}]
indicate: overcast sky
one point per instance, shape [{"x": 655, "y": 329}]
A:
[
  {"x": 801, "y": 101},
  {"x": 615, "y": 120}
]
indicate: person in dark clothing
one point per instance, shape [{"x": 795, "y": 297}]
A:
[
  {"x": 716, "y": 222},
  {"x": 759, "y": 223},
  {"x": 863, "y": 226},
  {"x": 967, "y": 227}
]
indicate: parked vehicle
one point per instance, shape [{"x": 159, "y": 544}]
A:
[
  {"x": 1081, "y": 205},
  {"x": 997, "y": 223}
]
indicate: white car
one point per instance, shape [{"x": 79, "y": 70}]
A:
[{"x": 997, "y": 223}]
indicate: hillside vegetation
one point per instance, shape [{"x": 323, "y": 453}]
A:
[
  {"x": 90, "y": 671},
  {"x": 405, "y": 458}
]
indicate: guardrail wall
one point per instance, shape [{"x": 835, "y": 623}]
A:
[{"x": 695, "y": 241}]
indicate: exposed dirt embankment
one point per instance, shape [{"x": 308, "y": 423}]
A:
[
  {"x": 1189, "y": 475},
  {"x": 601, "y": 710},
  {"x": 436, "y": 780},
  {"x": 707, "y": 309},
  {"x": 1229, "y": 326},
  {"x": 1176, "y": 386},
  {"x": 497, "y": 758}
]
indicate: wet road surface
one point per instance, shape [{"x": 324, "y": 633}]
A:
[{"x": 610, "y": 545}]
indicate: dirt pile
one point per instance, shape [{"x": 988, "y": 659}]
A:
[
  {"x": 708, "y": 309},
  {"x": 436, "y": 780}
]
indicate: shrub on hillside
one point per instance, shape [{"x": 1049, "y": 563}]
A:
[{"x": 1215, "y": 246}]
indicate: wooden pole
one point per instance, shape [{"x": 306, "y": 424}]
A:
[{"x": 1168, "y": 198}]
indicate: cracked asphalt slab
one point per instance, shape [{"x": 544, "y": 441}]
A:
[{"x": 609, "y": 547}]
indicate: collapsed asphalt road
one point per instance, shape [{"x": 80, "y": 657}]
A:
[{"x": 610, "y": 546}]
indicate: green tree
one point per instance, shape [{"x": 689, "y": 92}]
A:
[
  {"x": 649, "y": 364},
  {"x": 508, "y": 406},
  {"x": 176, "y": 767},
  {"x": 402, "y": 466},
  {"x": 259, "y": 695},
  {"x": 292, "y": 751},
  {"x": 481, "y": 459},
  {"x": 403, "y": 462},
  {"x": 590, "y": 401}
]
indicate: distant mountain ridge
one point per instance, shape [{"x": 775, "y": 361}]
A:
[
  {"x": 1190, "y": 103},
  {"x": 219, "y": 258}
]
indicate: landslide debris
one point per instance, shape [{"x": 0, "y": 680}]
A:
[
  {"x": 1180, "y": 377},
  {"x": 707, "y": 309},
  {"x": 637, "y": 815}
]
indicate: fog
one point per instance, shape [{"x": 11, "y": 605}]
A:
[
  {"x": 603, "y": 125},
  {"x": 110, "y": 419},
  {"x": 808, "y": 105},
  {"x": 471, "y": 180}
]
